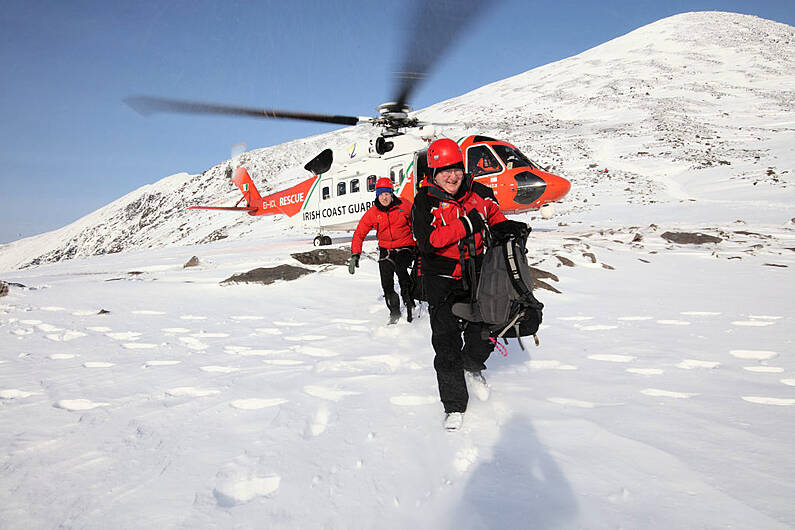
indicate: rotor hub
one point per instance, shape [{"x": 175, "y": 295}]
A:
[{"x": 392, "y": 111}]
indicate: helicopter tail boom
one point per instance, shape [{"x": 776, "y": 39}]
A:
[{"x": 286, "y": 202}]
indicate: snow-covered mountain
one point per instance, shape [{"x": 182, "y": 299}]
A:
[{"x": 694, "y": 106}]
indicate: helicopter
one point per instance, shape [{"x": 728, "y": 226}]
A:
[{"x": 340, "y": 184}]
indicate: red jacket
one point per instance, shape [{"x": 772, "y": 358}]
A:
[
  {"x": 392, "y": 224},
  {"x": 438, "y": 226}
]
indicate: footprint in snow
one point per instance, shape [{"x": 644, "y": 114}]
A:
[
  {"x": 548, "y": 364},
  {"x": 612, "y": 358},
  {"x": 700, "y": 313},
  {"x": 288, "y": 323},
  {"x": 60, "y": 356},
  {"x": 99, "y": 329},
  {"x": 268, "y": 331},
  {"x": 283, "y": 362},
  {"x": 124, "y": 335},
  {"x": 598, "y": 327},
  {"x": 78, "y": 404},
  {"x": 85, "y": 313},
  {"x": 53, "y": 308},
  {"x": 635, "y": 318},
  {"x": 237, "y": 484},
  {"x": 306, "y": 338},
  {"x": 256, "y": 403},
  {"x": 764, "y": 369},
  {"x": 464, "y": 459},
  {"x": 759, "y": 355},
  {"x": 689, "y": 364},
  {"x": 349, "y": 321},
  {"x": 315, "y": 352},
  {"x": 48, "y": 328},
  {"x": 208, "y": 335},
  {"x": 656, "y": 392},
  {"x": 139, "y": 346},
  {"x": 769, "y": 401},
  {"x": 190, "y": 391},
  {"x": 566, "y": 402},
  {"x": 219, "y": 369},
  {"x": 405, "y": 400},
  {"x": 149, "y": 364},
  {"x": 147, "y": 312},
  {"x": 319, "y": 423},
  {"x": 13, "y": 393},
  {"x": 753, "y": 323},
  {"x": 66, "y": 336},
  {"x": 97, "y": 364},
  {"x": 645, "y": 371},
  {"x": 329, "y": 394},
  {"x": 192, "y": 317},
  {"x": 175, "y": 331},
  {"x": 673, "y": 322},
  {"x": 193, "y": 343}
]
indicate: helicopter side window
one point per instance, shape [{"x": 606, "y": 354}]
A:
[
  {"x": 396, "y": 174},
  {"x": 513, "y": 157},
  {"x": 355, "y": 186},
  {"x": 371, "y": 183},
  {"x": 340, "y": 189},
  {"x": 481, "y": 161},
  {"x": 326, "y": 193}
]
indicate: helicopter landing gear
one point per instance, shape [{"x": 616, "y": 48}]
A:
[
  {"x": 547, "y": 210},
  {"x": 322, "y": 241}
]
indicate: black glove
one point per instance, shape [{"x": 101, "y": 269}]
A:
[
  {"x": 353, "y": 263},
  {"x": 504, "y": 230},
  {"x": 472, "y": 220}
]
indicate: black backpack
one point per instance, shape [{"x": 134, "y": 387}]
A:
[{"x": 503, "y": 297}]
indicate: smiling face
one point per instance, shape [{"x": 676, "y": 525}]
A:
[
  {"x": 449, "y": 179},
  {"x": 385, "y": 198}
]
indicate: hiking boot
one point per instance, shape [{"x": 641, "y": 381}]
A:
[
  {"x": 478, "y": 385},
  {"x": 453, "y": 421}
]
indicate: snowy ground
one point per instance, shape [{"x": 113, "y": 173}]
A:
[{"x": 661, "y": 395}]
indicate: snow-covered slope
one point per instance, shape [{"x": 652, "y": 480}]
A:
[
  {"x": 697, "y": 106},
  {"x": 662, "y": 394}
]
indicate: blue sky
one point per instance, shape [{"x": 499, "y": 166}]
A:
[{"x": 70, "y": 145}]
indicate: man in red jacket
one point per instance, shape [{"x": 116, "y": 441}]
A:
[
  {"x": 391, "y": 217},
  {"x": 447, "y": 218}
]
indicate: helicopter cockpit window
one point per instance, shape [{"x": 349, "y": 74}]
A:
[
  {"x": 513, "y": 157},
  {"x": 326, "y": 193},
  {"x": 481, "y": 161},
  {"x": 340, "y": 189},
  {"x": 355, "y": 186},
  {"x": 371, "y": 183}
]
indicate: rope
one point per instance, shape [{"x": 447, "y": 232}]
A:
[{"x": 502, "y": 349}]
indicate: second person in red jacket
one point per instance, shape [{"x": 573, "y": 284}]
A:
[{"x": 391, "y": 217}]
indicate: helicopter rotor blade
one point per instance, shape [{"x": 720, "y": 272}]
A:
[
  {"x": 147, "y": 105},
  {"x": 433, "y": 28}
]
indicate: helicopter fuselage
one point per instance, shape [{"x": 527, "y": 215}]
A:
[{"x": 342, "y": 185}]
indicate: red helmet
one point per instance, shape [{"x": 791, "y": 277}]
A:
[
  {"x": 384, "y": 182},
  {"x": 444, "y": 152}
]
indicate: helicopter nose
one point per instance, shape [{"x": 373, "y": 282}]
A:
[{"x": 557, "y": 187}]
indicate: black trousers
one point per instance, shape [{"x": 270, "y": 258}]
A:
[
  {"x": 453, "y": 354},
  {"x": 396, "y": 261}
]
